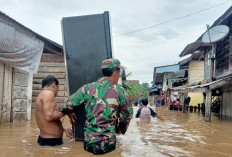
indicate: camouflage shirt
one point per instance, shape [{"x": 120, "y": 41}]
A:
[{"x": 104, "y": 102}]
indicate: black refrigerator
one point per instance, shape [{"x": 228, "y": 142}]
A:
[{"x": 86, "y": 42}]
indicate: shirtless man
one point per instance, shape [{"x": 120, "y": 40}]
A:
[{"x": 48, "y": 116}]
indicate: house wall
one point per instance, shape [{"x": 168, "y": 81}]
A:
[
  {"x": 196, "y": 98},
  {"x": 22, "y": 95},
  {"x": 196, "y": 74},
  {"x": 208, "y": 64},
  {"x": 16, "y": 85},
  {"x": 5, "y": 92},
  {"x": 51, "y": 68},
  {"x": 226, "y": 105},
  {"x": 15, "y": 94},
  {"x": 224, "y": 67},
  {"x": 230, "y": 55},
  {"x": 222, "y": 58},
  {"x": 226, "y": 108},
  {"x": 196, "y": 71},
  {"x": 224, "y": 52},
  {"x": 166, "y": 76}
]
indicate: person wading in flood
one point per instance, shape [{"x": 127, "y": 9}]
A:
[
  {"x": 48, "y": 116},
  {"x": 105, "y": 101},
  {"x": 145, "y": 113}
]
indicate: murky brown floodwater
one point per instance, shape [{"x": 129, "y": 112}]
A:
[{"x": 180, "y": 135}]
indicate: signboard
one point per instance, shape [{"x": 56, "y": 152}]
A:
[{"x": 19, "y": 49}]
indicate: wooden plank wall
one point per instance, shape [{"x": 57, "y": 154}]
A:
[
  {"x": 226, "y": 108},
  {"x": 230, "y": 52},
  {"x": 6, "y": 92},
  {"x": 51, "y": 68},
  {"x": 1, "y": 87},
  {"x": 196, "y": 71},
  {"x": 222, "y": 58}
]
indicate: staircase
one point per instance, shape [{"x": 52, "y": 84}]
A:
[{"x": 215, "y": 106}]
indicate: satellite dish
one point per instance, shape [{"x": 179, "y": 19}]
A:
[{"x": 215, "y": 34}]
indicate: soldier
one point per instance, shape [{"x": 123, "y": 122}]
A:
[{"x": 105, "y": 102}]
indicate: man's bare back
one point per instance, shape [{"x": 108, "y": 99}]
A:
[{"x": 48, "y": 116}]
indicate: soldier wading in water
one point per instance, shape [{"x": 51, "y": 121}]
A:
[{"x": 105, "y": 102}]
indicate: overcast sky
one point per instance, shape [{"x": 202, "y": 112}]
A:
[{"x": 140, "y": 52}]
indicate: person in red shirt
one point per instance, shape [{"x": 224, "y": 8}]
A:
[{"x": 177, "y": 103}]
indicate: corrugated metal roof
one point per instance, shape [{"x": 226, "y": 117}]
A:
[
  {"x": 195, "y": 56},
  {"x": 193, "y": 47},
  {"x": 201, "y": 86},
  {"x": 168, "y": 68}
]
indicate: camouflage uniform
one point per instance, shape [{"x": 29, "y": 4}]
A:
[{"x": 104, "y": 102}]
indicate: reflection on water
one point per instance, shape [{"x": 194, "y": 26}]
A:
[{"x": 180, "y": 135}]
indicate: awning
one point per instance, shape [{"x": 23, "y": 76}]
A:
[
  {"x": 19, "y": 49},
  {"x": 201, "y": 88},
  {"x": 193, "y": 47}
]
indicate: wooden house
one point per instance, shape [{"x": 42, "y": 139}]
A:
[
  {"x": 52, "y": 63},
  {"x": 16, "y": 85},
  {"x": 194, "y": 67},
  {"x": 196, "y": 74},
  {"x": 217, "y": 87},
  {"x": 163, "y": 77},
  {"x": 162, "y": 74}
]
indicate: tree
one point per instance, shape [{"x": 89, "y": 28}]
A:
[
  {"x": 136, "y": 90},
  {"x": 145, "y": 86}
]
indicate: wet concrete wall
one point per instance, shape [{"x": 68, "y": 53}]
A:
[{"x": 15, "y": 94}]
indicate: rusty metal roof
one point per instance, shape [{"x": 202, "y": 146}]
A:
[
  {"x": 198, "y": 45},
  {"x": 196, "y": 56},
  {"x": 193, "y": 47}
]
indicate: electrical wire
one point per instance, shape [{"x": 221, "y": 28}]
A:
[{"x": 175, "y": 19}]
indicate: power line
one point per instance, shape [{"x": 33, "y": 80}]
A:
[{"x": 176, "y": 19}]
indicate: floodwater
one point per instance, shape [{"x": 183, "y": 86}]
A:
[{"x": 180, "y": 135}]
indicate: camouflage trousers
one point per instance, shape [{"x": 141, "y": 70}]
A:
[{"x": 96, "y": 148}]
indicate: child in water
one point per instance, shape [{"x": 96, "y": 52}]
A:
[{"x": 145, "y": 113}]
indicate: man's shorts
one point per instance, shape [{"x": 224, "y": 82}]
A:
[
  {"x": 96, "y": 148},
  {"x": 49, "y": 141}
]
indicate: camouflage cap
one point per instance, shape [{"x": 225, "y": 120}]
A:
[{"x": 111, "y": 63}]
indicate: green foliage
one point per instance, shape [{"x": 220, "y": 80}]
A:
[
  {"x": 136, "y": 90},
  {"x": 145, "y": 86}
]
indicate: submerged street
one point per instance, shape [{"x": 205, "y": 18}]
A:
[
  {"x": 94, "y": 61},
  {"x": 180, "y": 135}
]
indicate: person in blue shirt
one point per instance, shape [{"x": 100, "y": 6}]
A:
[
  {"x": 140, "y": 100},
  {"x": 157, "y": 101}
]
